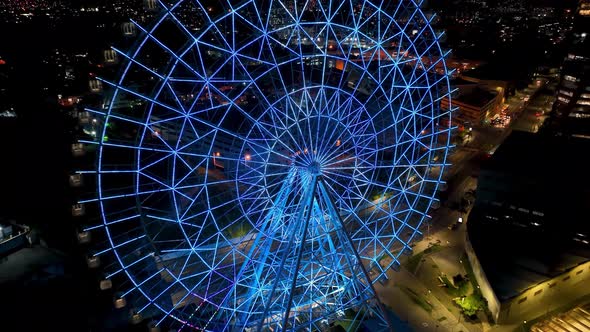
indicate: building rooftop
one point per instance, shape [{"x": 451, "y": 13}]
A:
[
  {"x": 577, "y": 319},
  {"x": 460, "y": 81},
  {"x": 493, "y": 71},
  {"x": 528, "y": 224},
  {"x": 477, "y": 97},
  {"x": 534, "y": 155}
]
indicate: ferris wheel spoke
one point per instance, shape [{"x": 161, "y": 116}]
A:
[
  {"x": 351, "y": 212},
  {"x": 326, "y": 115},
  {"x": 167, "y": 49},
  {"x": 393, "y": 194},
  {"x": 348, "y": 142},
  {"x": 347, "y": 192}
]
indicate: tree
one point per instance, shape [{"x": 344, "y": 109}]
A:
[{"x": 471, "y": 304}]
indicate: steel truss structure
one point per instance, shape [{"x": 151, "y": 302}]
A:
[{"x": 263, "y": 163}]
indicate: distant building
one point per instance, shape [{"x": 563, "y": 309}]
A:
[
  {"x": 571, "y": 110},
  {"x": 458, "y": 65},
  {"x": 528, "y": 235},
  {"x": 583, "y": 9},
  {"x": 493, "y": 77},
  {"x": 475, "y": 102},
  {"x": 12, "y": 237}
]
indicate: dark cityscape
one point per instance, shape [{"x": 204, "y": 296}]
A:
[{"x": 295, "y": 165}]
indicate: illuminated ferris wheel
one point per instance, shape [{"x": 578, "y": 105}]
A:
[{"x": 262, "y": 163}]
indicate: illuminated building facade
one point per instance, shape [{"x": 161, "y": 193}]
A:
[
  {"x": 476, "y": 102},
  {"x": 571, "y": 111}
]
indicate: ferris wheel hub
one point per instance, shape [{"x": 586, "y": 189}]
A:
[{"x": 315, "y": 168}]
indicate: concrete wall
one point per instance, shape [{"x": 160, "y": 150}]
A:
[
  {"x": 482, "y": 280},
  {"x": 538, "y": 299},
  {"x": 9, "y": 245},
  {"x": 547, "y": 296}
]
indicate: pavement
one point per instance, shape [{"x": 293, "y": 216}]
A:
[{"x": 392, "y": 295}]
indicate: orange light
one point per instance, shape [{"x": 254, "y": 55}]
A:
[
  {"x": 248, "y": 157},
  {"x": 338, "y": 142},
  {"x": 217, "y": 154}
]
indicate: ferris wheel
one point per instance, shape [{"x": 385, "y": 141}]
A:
[{"x": 262, "y": 164}]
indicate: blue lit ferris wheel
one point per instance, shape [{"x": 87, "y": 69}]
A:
[{"x": 262, "y": 164}]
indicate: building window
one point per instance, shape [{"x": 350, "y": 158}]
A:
[
  {"x": 567, "y": 93},
  {"x": 569, "y": 84},
  {"x": 538, "y": 292},
  {"x": 537, "y": 213},
  {"x": 566, "y": 278},
  {"x": 522, "y": 300},
  {"x": 570, "y": 78},
  {"x": 579, "y": 272},
  {"x": 579, "y": 115},
  {"x": 563, "y": 99}
]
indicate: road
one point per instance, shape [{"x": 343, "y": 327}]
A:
[
  {"x": 392, "y": 295},
  {"x": 534, "y": 114}
]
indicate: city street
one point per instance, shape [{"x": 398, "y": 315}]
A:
[
  {"x": 534, "y": 114},
  {"x": 528, "y": 109}
]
